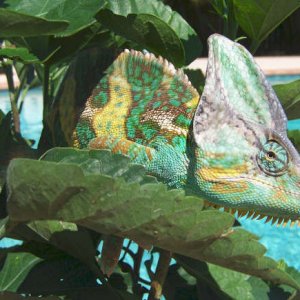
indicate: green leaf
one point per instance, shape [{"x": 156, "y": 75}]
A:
[
  {"x": 82, "y": 28},
  {"x": 2, "y": 114},
  {"x": 97, "y": 190},
  {"x": 294, "y": 136},
  {"x": 3, "y": 223},
  {"x": 289, "y": 96},
  {"x": 64, "y": 275},
  {"x": 18, "y": 53},
  {"x": 12, "y": 145},
  {"x": 234, "y": 284},
  {"x": 67, "y": 46},
  {"x": 260, "y": 289},
  {"x": 71, "y": 92},
  {"x": 103, "y": 162},
  {"x": 79, "y": 14},
  {"x": 15, "y": 296},
  {"x": 197, "y": 78},
  {"x": 198, "y": 270},
  {"x": 219, "y": 6},
  {"x": 67, "y": 236},
  {"x": 148, "y": 32},
  {"x": 17, "y": 24},
  {"x": 153, "y": 26},
  {"x": 222, "y": 281},
  {"x": 40, "y": 46},
  {"x": 227, "y": 284},
  {"x": 51, "y": 50},
  {"x": 292, "y": 272},
  {"x": 258, "y": 18},
  {"x": 15, "y": 270},
  {"x": 225, "y": 10}
]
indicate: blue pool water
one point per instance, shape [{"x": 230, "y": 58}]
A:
[
  {"x": 277, "y": 79},
  {"x": 281, "y": 243}
]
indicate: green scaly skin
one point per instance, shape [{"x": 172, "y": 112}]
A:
[{"x": 230, "y": 148}]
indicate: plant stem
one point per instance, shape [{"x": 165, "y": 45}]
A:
[
  {"x": 138, "y": 261},
  {"x": 160, "y": 275},
  {"x": 22, "y": 89},
  {"x": 11, "y": 89},
  {"x": 46, "y": 91},
  {"x": 23, "y": 95}
]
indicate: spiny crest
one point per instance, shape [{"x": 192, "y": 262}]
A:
[
  {"x": 253, "y": 215},
  {"x": 151, "y": 61}
]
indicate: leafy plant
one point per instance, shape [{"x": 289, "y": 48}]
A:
[{"x": 66, "y": 203}]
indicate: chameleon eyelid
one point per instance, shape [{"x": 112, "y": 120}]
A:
[{"x": 285, "y": 163}]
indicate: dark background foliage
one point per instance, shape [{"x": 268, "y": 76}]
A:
[
  {"x": 63, "y": 204},
  {"x": 284, "y": 40}
]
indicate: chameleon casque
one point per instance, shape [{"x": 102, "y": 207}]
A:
[{"x": 230, "y": 146}]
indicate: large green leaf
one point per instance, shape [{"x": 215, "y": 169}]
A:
[
  {"x": 154, "y": 26},
  {"x": 289, "y": 96},
  {"x": 17, "y": 24},
  {"x": 294, "y": 136},
  {"x": 18, "y": 53},
  {"x": 66, "y": 237},
  {"x": 226, "y": 11},
  {"x": 71, "y": 90},
  {"x": 15, "y": 270},
  {"x": 51, "y": 50},
  {"x": 79, "y": 14},
  {"x": 197, "y": 78},
  {"x": 87, "y": 37},
  {"x": 55, "y": 274},
  {"x": 292, "y": 272},
  {"x": 223, "y": 281},
  {"x": 82, "y": 28},
  {"x": 74, "y": 187},
  {"x": 258, "y": 18}
]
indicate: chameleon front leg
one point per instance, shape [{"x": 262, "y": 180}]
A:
[{"x": 138, "y": 153}]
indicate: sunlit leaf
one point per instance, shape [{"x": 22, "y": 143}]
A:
[
  {"x": 79, "y": 14},
  {"x": 153, "y": 26},
  {"x": 15, "y": 269},
  {"x": 294, "y": 136},
  {"x": 289, "y": 96},
  {"x": 76, "y": 188},
  {"x": 17, "y": 24},
  {"x": 18, "y": 53},
  {"x": 258, "y": 18}
]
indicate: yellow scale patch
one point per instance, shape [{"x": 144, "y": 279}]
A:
[
  {"x": 193, "y": 102},
  {"x": 111, "y": 118},
  {"x": 217, "y": 174}
]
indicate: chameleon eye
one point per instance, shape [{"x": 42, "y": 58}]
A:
[
  {"x": 270, "y": 155},
  {"x": 273, "y": 158}
]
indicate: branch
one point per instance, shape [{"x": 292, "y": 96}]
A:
[
  {"x": 160, "y": 275},
  {"x": 11, "y": 89}
]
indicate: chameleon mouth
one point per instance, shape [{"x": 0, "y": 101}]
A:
[{"x": 254, "y": 215}]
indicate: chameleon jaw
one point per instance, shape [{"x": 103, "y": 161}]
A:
[{"x": 254, "y": 215}]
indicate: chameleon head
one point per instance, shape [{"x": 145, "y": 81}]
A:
[{"x": 244, "y": 159}]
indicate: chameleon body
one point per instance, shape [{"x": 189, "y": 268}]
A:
[{"x": 230, "y": 146}]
